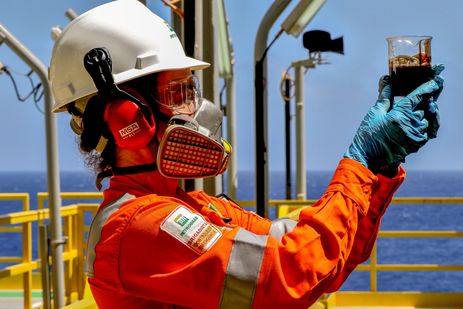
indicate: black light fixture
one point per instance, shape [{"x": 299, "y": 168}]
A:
[
  {"x": 320, "y": 41},
  {"x": 317, "y": 42}
]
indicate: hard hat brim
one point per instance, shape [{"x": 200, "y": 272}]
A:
[{"x": 185, "y": 63}]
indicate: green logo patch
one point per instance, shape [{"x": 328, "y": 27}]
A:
[
  {"x": 191, "y": 229},
  {"x": 181, "y": 220}
]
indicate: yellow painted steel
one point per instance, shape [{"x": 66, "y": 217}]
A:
[
  {"x": 18, "y": 269},
  {"x": 407, "y": 267},
  {"x": 396, "y": 299},
  {"x": 43, "y": 196},
  {"x": 13, "y": 259},
  {"x": 74, "y": 229},
  {"x": 13, "y": 229},
  {"x": 23, "y": 197},
  {"x": 373, "y": 270},
  {"x": 24, "y": 265},
  {"x": 26, "y": 259},
  {"x": 15, "y": 282},
  {"x": 420, "y": 234},
  {"x": 86, "y": 301}
]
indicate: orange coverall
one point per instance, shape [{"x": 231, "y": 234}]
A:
[{"x": 152, "y": 251}]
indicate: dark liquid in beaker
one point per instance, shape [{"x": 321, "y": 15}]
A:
[{"x": 405, "y": 79}]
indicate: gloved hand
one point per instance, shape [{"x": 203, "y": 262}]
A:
[{"x": 386, "y": 136}]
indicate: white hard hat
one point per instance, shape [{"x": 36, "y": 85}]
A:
[{"x": 139, "y": 43}]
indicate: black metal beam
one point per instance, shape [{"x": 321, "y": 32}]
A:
[
  {"x": 261, "y": 141},
  {"x": 288, "y": 136}
]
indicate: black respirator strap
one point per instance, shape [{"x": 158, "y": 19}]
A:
[{"x": 128, "y": 170}]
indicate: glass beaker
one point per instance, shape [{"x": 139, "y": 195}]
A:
[{"x": 409, "y": 62}]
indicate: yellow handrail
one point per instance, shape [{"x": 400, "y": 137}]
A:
[
  {"x": 26, "y": 259},
  {"x": 25, "y": 265}
]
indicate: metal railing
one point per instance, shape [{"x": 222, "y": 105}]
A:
[
  {"x": 75, "y": 228},
  {"x": 25, "y": 265}
]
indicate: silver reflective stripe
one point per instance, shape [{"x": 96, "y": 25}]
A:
[
  {"x": 243, "y": 270},
  {"x": 280, "y": 227},
  {"x": 97, "y": 226}
]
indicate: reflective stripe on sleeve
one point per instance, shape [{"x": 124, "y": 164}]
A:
[
  {"x": 280, "y": 227},
  {"x": 243, "y": 270},
  {"x": 97, "y": 226}
]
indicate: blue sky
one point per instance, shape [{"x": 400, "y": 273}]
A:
[{"x": 337, "y": 95}]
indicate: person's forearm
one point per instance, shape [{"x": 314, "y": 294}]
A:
[{"x": 368, "y": 227}]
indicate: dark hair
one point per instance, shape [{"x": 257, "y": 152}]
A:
[{"x": 94, "y": 126}]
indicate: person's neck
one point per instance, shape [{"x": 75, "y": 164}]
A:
[
  {"x": 145, "y": 183},
  {"x": 149, "y": 182}
]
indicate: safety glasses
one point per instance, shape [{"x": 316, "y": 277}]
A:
[{"x": 181, "y": 96}]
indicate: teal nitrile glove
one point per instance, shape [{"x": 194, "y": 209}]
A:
[
  {"x": 385, "y": 137},
  {"x": 431, "y": 111}
]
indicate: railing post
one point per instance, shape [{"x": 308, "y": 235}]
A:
[
  {"x": 27, "y": 255},
  {"x": 80, "y": 251},
  {"x": 373, "y": 270},
  {"x": 40, "y": 200},
  {"x": 67, "y": 226},
  {"x": 43, "y": 255},
  {"x": 75, "y": 247}
]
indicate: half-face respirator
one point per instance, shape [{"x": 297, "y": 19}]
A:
[{"x": 191, "y": 147}]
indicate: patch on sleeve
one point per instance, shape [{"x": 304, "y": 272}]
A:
[{"x": 191, "y": 229}]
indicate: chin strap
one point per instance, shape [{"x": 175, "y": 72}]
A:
[{"x": 128, "y": 170}]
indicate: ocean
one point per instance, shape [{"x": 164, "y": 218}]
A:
[{"x": 447, "y": 251}]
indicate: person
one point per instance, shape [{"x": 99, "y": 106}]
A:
[{"x": 122, "y": 74}]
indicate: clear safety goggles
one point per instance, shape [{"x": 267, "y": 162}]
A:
[{"x": 182, "y": 96}]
